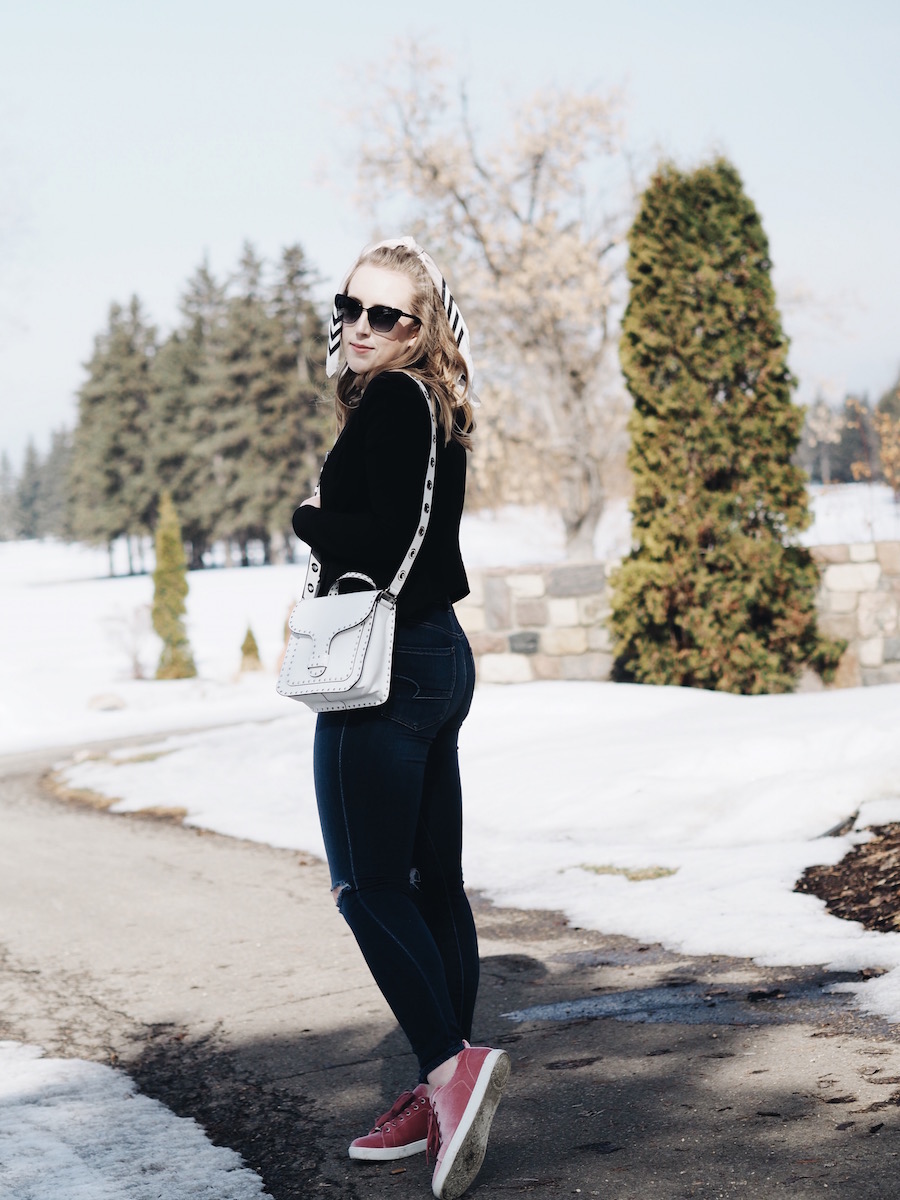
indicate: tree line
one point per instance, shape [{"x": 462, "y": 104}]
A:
[
  {"x": 35, "y": 502},
  {"x": 857, "y": 442},
  {"x": 225, "y": 414}
]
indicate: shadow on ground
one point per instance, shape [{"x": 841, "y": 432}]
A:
[
  {"x": 718, "y": 1081},
  {"x": 636, "y": 1072}
]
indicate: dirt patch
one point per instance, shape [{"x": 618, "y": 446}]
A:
[{"x": 865, "y": 885}]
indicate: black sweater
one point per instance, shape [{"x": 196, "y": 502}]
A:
[{"x": 371, "y": 496}]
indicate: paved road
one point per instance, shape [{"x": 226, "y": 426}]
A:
[{"x": 218, "y": 973}]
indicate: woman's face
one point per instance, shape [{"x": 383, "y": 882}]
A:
[{"x": 366, "y": 351}]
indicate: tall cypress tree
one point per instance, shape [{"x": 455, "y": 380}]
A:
[
  {"x": 715, "y": 592},
  {"x": 170, "y": 587}
]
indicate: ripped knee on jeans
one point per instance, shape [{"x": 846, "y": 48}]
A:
[{"x": 337, "y": 891}]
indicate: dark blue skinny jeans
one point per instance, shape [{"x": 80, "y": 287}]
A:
[{"x": 390, "y": 803}]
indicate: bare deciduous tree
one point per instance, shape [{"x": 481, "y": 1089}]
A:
[
  {"x": 822, "y": 430},
  {"x": 887, "y": 427},
  {"x": 530, "y": 229}
]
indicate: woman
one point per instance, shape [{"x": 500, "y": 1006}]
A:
[{"x": 387, "y": 778}]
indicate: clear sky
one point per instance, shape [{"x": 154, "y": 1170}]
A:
[{"x": 134, "y": 139}]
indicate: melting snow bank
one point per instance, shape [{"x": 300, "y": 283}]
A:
[
  {"x": 664, "y": 814},
  {"x": 79, "y": 1129}
]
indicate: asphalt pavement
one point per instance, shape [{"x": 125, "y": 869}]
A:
[{"x": 219, "y": 974}]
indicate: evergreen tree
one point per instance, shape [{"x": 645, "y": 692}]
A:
[
  {"x": 112, "y": 491},
  {"x": 170, "y": 587},
  {"x": 293, "y": 307},
  {"x": 176, "y": 420},
  {"x": 714, "y": 594},
  {"x": 54, "y": 510},
  {"x": 8, "y": 519},
  {"x": 257, "y": 398},
  {"x": 235, "y": 381},
  {"x": 28, "y": 495},
  {"x": 292, "y": 426}
]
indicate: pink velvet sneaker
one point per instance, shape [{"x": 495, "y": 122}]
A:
[
  {"x": 398, "y": 1133},
  {"x": 461, "y": 1115}
]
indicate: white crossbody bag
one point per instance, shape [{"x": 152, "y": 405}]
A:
[{"x": 340, "y": 647}]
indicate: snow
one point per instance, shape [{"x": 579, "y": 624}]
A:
[
  {"x": 514, "y": 537},
  {"x": 664, "y": 814},
  {"x": 511, "y": 537},
  {"x": 80, "y": 1130},
  {"x": 69, "y": 634},
  {"x": 568, "y": 786},
  {"x": 852, "y": 512}
]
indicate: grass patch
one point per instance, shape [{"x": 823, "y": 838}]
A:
[
  {"x": 56, "y": 785},
  {"x": 632, "y": 874},
  {"x": 54, "y": 782},
  {"x": 148, "y": 756},
  {"x": 158, "y": 812}
]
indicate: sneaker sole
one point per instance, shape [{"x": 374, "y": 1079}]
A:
[
  {"x": 372, "y": 1154},
  {"x": 463, "y": 1157}
]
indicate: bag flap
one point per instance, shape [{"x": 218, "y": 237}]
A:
[{"x": 330, "y": 615}]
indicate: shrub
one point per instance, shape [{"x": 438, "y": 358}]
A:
[{"x": 250, "y": 660}]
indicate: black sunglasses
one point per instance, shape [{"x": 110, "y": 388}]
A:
[{"x": 381, "y": 318}]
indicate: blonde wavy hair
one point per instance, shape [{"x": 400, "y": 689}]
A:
[{"x": 433, "y": 357}]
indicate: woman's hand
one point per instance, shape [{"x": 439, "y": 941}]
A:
[{"x": 313, "y": 500}]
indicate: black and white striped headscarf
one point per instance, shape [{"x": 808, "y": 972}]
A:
[{"x": 451, "y": 308}]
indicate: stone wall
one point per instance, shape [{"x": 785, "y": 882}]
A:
[
  {"x": 537, "y": 622},
  {"x": 860, "y": 600}
]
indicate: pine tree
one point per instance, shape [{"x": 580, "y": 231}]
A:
[
  {"x": 302, "y": 424},
  {"x": 54, "y": 509},
  {"x": 28, "y": 495},
  {"x": 233, "y": 371},
  {"x": 112, "y": 491},
  {"x": 170, "y": 587},
  {"x": 8, "y": 518},
  {"x": 715, "y": 593},
  {"x": 257, "y": 400},
  {"x": 177, "y": 422},
  {"x": 291, "y": 426}
]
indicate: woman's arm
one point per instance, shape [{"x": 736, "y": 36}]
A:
[{"x": 396, "y": 439}]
